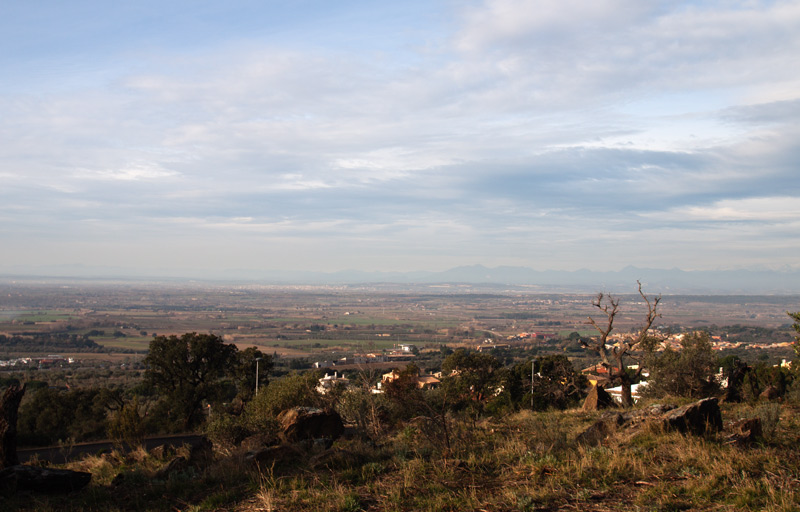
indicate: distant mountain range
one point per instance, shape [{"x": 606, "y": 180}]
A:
[{"x": 478, "y": 277}]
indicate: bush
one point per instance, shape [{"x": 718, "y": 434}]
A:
[
  {"x": 770, "y": 415},
  {"x": 127, "y": 426},
  {"x": 292, "y": 391},
  {"x": 227, "y": 429}
]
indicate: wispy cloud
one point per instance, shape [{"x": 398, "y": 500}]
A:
[{"x": 360, "y": 133}]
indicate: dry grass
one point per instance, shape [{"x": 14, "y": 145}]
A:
[{"x": 528, "y": 461}]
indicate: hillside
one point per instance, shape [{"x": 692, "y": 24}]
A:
[{"x": 525, "y": 461}]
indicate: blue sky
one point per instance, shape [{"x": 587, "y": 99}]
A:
[{"x": 189, "y": 137}]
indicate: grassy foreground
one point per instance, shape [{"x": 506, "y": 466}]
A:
[{"x": 527, "y": 461}]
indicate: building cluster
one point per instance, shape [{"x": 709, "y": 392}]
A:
[
  {"x": 675, "y": 342},
  {"x": 40, "y": 362},
  {"x": 329, "y": 382},
  {"x": 398, "y": 354},
  {"x": 531, "y": 336}
]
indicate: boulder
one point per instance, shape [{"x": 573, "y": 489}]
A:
[
  {"x": 258, "y": 441},
  {"x": 201, "y": 452},
  {"x": 43, "y": 480},
  {"x": 598, "y": 399},
  {"x": 745, "y": 432},
  {"x": 274, "y": 455},
  {"x": 173, "y": 466},
  {"x": 162, "y": 451},
  {"x": 769, "y": 393},
  {"x": 599, "y": 430},
  {"x": 301, "y": 423},
  {"x": 698, "y": 418},
  {"x": 639, "y": 415}
]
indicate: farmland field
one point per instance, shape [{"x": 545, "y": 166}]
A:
[{"x": 317, "y": 321}]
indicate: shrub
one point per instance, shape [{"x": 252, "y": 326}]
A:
[{"x": 770, "y": 415}]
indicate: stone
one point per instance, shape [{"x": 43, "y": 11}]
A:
[
  {"x": 301, "y": 423},
  {"x": 201, "y": 452},
  {"x": 769, "y": 393},
  {"x": 598, "y": 431},
  {"x": 745, "y": 432},
  {"x": 274, "y": 454},
  {"x": 598, "y": 399},
  {"x": 43, "y": 480},
  {"x": 258, "y": 441},
  {"x": 646, "y": 413},
  {"x": 163, "y": 451},
  {"x": 173, "y": 466},
  {"x": 701, "y": 417}
]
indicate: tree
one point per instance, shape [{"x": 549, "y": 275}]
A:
[
  {"x": 688, "y": 372},
  {"x": 245, "y": 370},
  {"x": 470, "y": 379},
  {"x": 126, "y": 426},
  {"x": 187, "y": 371},
  {"x": 796, "y": 326},
  {"x": 403, "y": 394},
  {"x": 51, "y": 415},
  {"x": 9, "y": 407},
  {"x": 556, "y": 383},
  {"x": 613, "y": 357}
]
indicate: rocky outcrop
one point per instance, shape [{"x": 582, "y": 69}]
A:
[
  {"x": 699, "y": 418},
  {"x": 597, "y": 399},
  {"x": 302, "y": 423},
  {"x": 43, "y": 480}
]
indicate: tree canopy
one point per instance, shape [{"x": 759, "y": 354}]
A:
[{"x": 194, "y": 368}]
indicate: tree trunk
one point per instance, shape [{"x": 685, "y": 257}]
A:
[
  {"x": 9, "y": 405},
  {"x": 625, "y": 383}
]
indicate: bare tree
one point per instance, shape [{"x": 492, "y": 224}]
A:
[{"x": 612, "y": 357}]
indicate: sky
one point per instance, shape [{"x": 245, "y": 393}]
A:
[{"x": 191, "y": 137}]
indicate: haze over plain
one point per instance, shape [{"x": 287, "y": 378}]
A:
[{"x": 192, "y": 138}]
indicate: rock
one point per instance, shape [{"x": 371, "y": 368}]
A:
[
  {"x": 201, "y": 452},
  {"x": 745, "y": 432},
  {"x": 599, "y": 430},
  {"x": 163, "y": 451},
  {"x": 44, "y": 480},
  {"x": 308, "y": 423},
  {"x": 769, "y": 393},
  {"x": 640, "y": 415},
  {"x": 257, "y": 441},
  {"x": 698, "y": 418},
  {"x": 274, "y": 454},
  {"x": 173, "y": 466},
  {"x": 598, "y": 399}
]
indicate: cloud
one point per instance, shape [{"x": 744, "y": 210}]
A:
[
  {"x": 510, "y": 126},
  {"x": 766, "y": 209},
  {"x": 137, "y": 171}
]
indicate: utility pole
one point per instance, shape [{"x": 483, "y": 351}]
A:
[
  {"x": 257, "y": 360},
  {"x": 533, "y": 369}
]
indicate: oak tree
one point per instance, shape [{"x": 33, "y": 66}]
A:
[{"x": 613, "y": 357}]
